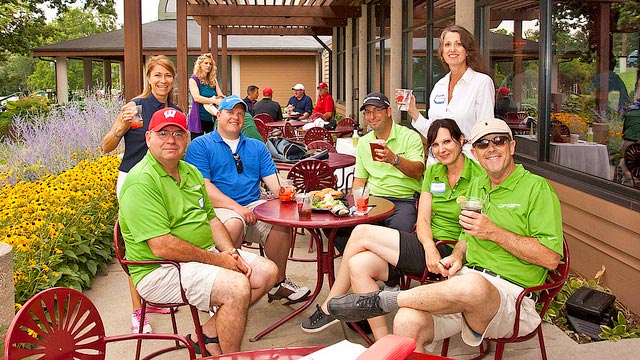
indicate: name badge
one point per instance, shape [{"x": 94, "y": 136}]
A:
[
  {"x": 439, "y": 99},
  {"x": 201, "y": 202},
  {"x": 437, "y": 188}
]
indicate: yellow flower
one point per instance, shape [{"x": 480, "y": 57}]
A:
[{"x": 32, "y": 333}]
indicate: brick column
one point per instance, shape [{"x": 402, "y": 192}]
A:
[{"x": 6, "y": 286}]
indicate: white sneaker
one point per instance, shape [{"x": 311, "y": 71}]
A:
[
  {"x": 290, "y": 291},
  {"x": 135, "y": 323}
]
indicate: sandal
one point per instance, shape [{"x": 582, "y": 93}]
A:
[{"x": 207, "y": 340}]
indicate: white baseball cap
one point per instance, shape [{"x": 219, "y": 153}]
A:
[{"x": 298, "y": 87}]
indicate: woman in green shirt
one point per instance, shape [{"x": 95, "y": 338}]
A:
[{"x": 381, "y": 253}]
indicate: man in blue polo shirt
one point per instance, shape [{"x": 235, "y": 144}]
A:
[{"x": 233, "y": 167}]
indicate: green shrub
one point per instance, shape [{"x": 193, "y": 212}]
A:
[{"x": 23, "y": 109}]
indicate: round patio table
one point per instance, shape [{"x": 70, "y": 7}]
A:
[{"x": 286, "y": 214}]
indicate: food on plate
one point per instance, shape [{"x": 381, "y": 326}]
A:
[
  {"x": 340, "y": 210},
  {"x": 321, "y": 204},
  {"x": 320, "y": 194}
]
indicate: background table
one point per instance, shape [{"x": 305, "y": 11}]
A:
[
  {"x": 589, "y": 158},
  {"x": 286, "y": 214}
]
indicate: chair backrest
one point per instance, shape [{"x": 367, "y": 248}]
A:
[
  {"x": 119, "y": 246},
  {"x": 318, "y": 133},
  {"x": 321, "y": 145},
  {"x": 312, "y": 174},
  {"x": 511, "y": 118},
  {"x": 347, "y": 121},
  {"x": 262, "y": 128},
  {"x": 632, "y": 159},
  {"x": 288, "y": 131},
  {"x": 555, "y": 280},
  {"x": 57, "y": 323},
  {"x": 265, "y": 117}
]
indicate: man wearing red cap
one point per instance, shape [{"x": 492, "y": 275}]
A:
[
  {"x": 165, "y": 213},
  {"x": 267, "y": 105},
  {"x": 325, "y": 104}
]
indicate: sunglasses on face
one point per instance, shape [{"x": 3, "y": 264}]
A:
[
  {"x": 499, "y": 140},
  {"x": 238, "y": 161}
]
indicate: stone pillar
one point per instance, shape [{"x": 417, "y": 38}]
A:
[
  {"x": 363, "y": 57},
  {"x": 62, "y": 85},
  {"x": 6, "y": 286}
]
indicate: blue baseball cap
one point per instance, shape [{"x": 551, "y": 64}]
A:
[{"x": 230, "y": 101}]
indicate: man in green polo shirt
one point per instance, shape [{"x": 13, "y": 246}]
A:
[
  {"x": 509, "y": 246},
  {"x": 165, "y": 214},
  {"x": 395, "y": 172}
]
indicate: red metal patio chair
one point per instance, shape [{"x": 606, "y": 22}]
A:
[
  {"x": 318, "y": 133},
  {"x": 262, "y": 129},
  {"x": 321, "y": 145},
  {"x": 546, "y": 292},
  {"x": 265, "y": 117},
  {"x": 119, "y": 246},
  {"x": 315, "y": 116},
  {"x": 632, "y": 162},
  {"x": 62, "y": 323},
  {"x": 347, "y": 121}
]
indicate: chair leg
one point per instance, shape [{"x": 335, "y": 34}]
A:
[
  {"x": 294, "y": 232},
  {"x": 198, "y": 330},
  {"x": 445, "y": 347},
  {"x": 499, "y": 351}
]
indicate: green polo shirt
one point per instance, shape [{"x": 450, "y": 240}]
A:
[
  {"x": 524, "y": 204},
  {"x": 153, "y": 204},
  {"x": 631, "y": 126},
  {"x": 385, "y": 179},
  {"x": 444, "y": 208}
]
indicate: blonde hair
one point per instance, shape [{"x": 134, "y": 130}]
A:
[
  {"x": 166, "y": 63},
  {"x": 206, "y": 78}
]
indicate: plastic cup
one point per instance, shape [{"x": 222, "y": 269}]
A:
[
  {"x": 374, "y": 145},
  {"x": 472, "y": 204},
  {"x": 403, "y": 99},
  {"x": 287, "y": 191},
  {"x": 136, "y": 122},
  {"x": 575, "y": 138},
  {"x": 361, "y": 198},
  {"x": 304, "y": 206}
]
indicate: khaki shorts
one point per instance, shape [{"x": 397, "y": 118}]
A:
[
  {"x": 256, "y": 233},
  {"x": 162, "y": 285},
  {"x": 501, "y": 325}
]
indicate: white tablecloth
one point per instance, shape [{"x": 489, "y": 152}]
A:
[
  {"x": 589, "y": 158},
  {"x": 345, "y": 146}
]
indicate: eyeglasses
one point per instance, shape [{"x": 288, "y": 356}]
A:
[
  {"x": 238, "y": 161},
  {"x": 164, "y": 134},
  {"x": 374, "y": 112},
  {"x": 499, "y": 140}
]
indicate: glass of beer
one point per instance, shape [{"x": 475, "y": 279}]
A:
[{"x": 472, "y": 204}]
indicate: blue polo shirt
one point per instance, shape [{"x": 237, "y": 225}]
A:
[
  {"x": 303, "y": 105},
  {"x": 213, "y": 157}
]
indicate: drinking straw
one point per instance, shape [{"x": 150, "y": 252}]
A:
[
  {"x": 365, "y": 185},
  {"x": 278, "y": 177}
]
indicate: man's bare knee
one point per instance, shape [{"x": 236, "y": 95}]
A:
[
  {"x": 415, "y": 324},
  {"x": 231, "y": 287}
]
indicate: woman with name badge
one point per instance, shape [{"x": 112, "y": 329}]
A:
[
  {"x": 466, "y": 93},
  {"x": 206, "y": 94},
  {"x": 381, "y": 253}
]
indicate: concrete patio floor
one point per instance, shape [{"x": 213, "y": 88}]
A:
[{"x": 111, "y": 295}]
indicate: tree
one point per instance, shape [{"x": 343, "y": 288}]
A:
[{"x": 22, "y": 22}]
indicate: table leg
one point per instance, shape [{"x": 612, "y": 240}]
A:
[{"x": 324, "y": 266}]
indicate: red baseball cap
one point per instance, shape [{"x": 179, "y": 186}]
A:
[
  {"x": 504, "y": 91},
  {"x": 168, "y": 116},
  {"x": 267, "y": 91},
  {"x": 323, "y": 85}
]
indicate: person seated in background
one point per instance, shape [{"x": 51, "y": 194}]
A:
[
  {"x": 324, "y": 105},
  {"x": 251, "y": 98},
  {"x": 165, "y": 214},
  {"x": 630, "y": 129},
  {"x": 233, "y": 167},
  {"x": 381, "y": 253},
  {"x": 510, "y": 246},
  {"x": 300, "y": 102},
  {"x": 504, "y": 104},
  {"x": 267, "y": 105}
]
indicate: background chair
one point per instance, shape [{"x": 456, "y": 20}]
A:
[
  {"x": 347, "y": 121},
  {"x": 315, "y": 116},
  {"x": 321, "y": 145},
  {"x": 119, "y": 246},
  {"x": 262, "y": 129},
  {"x": 546, "y": 292},
  {"x": 632, "y": 162},
  {"x": 318, "y": 133},
  {"x": 62, "y": 323},
  {"x": 265, "y": 117},
  {"x": 309, "y": 175}
]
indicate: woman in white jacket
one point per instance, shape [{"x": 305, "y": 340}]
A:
[{"x": 466, "y": 93}]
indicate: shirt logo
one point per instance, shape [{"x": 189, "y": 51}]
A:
[
  {"x": 169, "y": 113},
  {"x": 439, "y": 99},
  {"x": 508, "y": 206}
]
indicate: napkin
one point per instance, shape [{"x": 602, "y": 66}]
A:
[
  {"x": 353, "y": 210},
  {"x": 345, "y": 350}
]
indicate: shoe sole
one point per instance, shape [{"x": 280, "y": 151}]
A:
[
  {"x": 316, "y": 330},
  {"x": 271, "y": 298}
]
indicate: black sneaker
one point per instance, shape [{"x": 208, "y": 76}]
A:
[
  {"x": 318, "y": 321},
  {"x": 356, "y": 307}
]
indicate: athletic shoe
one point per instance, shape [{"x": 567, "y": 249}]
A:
[
  {"x": 356, "y": 307},
  {"x": 318, "y": 321},
  {"x": 394, "y": 288},
  {"x": 290, "y": 291},
  {"x": 135, "y": 323}
]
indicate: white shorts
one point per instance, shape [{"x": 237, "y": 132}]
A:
[
  {"x": 162, "y": 285},
  {"x": 501, "y": 325},
  {"x": 256, "y": 233}
]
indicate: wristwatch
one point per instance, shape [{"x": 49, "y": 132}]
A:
[{"x": 396, "y": 161}]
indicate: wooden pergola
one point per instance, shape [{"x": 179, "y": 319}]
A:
[{"x": 221, "y": 18}]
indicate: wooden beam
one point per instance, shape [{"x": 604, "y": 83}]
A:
[
  {"x": 181, "y": 56},
  {"x": 339, "y": 12},
  {"x": 204, "y": 34},
  {"x": 133, "y": 62},
  {"x": 276, "y": 21},
  {"x": 274, "y": 31}
]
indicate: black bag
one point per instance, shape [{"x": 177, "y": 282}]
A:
[
  {"x": 331, "y": 125},
  {"x": 289, "y": 151}
]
